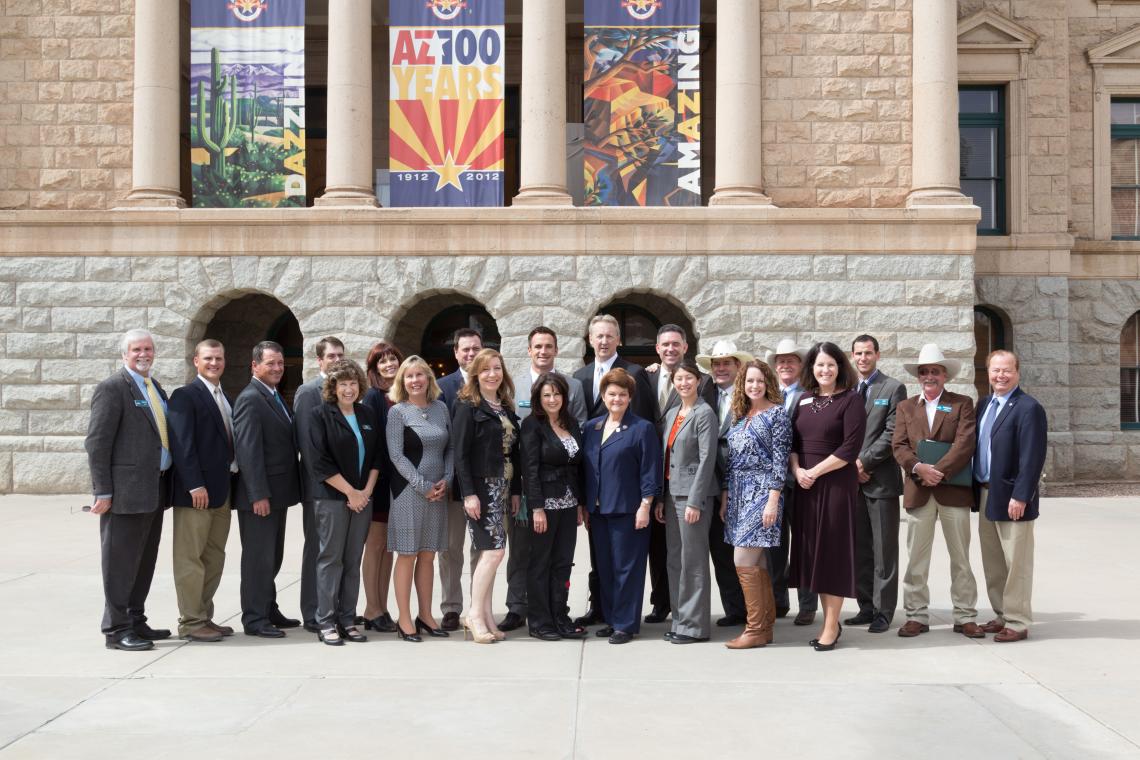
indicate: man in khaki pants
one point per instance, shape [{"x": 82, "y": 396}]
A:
[
  {"x": 939, "y": 415},
  {"x": 202, "y": 445}
]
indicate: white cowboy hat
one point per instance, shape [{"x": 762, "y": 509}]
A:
[
  {"x": 932, "y": 354},
  {"x": 722, "y": 349},
  {"x": 785, "y": 346}
]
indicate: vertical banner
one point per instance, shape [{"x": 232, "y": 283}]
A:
[
  {"x": 642, "y": 94},
  {"x": 446, "y": 110},
  {"x": 247, "y": 103}
]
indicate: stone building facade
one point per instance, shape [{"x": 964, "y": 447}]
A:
[{"x": 831, "y": 165}]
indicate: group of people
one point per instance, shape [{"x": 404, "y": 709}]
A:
[{"x": 786, "y": 473}]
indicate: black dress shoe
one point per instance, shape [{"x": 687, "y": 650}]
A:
[
  {"x": 863, "y": 618},
  {"x": 266, "y": 631},
  {"x": 412, "y": 637},
  {"x": 511, "y": 622},
  {"x": 450, "y": 621},
  {"x": 620, "y": 637},
  {"x": 782, "y": 611},
  {"x": 593, "y": 616},
  {"x": 312, "y": 626},
  {"x": 880, "y": 624},
  {"x": 129, "y": 642},
  {"x": 545, "y": 634},
  {"x": 144, "y": 631},
  {"x": 680, "y": 638},
  {"x": 422, "y": 627},
  {"x": 383, "y": 624},
  {"x": 351, "y": 633},
  {"x": 804, "y": 617},
  {"x": 668, "y": 635},
  {"x": 568, "y": 630},
  {"x": 729, "y": 621},
  {"x": 604, "y": 631},
  {"x": 281, "y": 621},
  {"x": 657, "y": 615}
]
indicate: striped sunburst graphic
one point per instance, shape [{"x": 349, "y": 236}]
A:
[{"x": 448, "y": 138}]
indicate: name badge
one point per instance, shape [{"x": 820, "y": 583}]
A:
[
  {"x": 366, "y": 427},
  {"x": 804, "y": 401},
  {"x": 942, "y": 408},
  {"x": 882, "y": 402},
  {"x": 142, "y": 403},
  {"x": 524, "y": 404}
]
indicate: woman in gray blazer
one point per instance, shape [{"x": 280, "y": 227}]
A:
[{"x": 689, "y": 441}]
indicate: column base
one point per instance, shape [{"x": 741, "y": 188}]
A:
[
  {"x": 152, "y": 197},
  {"x": 937, "y": 197},
  {"x": 543, "y": 195},
  {"x": 350, "y": 197},
  {"x": 739, "y": 196}
]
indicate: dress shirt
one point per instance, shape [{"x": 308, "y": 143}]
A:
[
  {"x": 227, "y": 413},
  {"x": 985, "y": 425},
  {"x": 600, "y": 369},
  {"x": 788, "y": 391},
  {"x": 864, "y": 384},
  {"x": 724, "y": 403},
  {"x": 140, "y": 381},
  {"x": 931, "y": 408},
  {"x": 276, "y": 397}
]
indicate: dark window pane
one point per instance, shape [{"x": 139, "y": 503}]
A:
[
  {"x": 1125, "y": 212},
  {"x": 1129, "y": 353},
  {"x": 1125, "y": 113},
  {"x": 984, "y": 192},
  {"x": 979, "y": 101},
  {"x": 1129, "y": 414},
  {"x": 978, "y": 153}
]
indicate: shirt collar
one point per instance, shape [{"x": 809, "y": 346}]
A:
[
  {"x": 792, "y": 388},
  {"x": 1003, "y": 399},
  {"x": 272, "y": 391},
  {"x": 922, "y": 398},
  {"x": 608, "y": 364},
  {"x": 210, "y": 386},
  {"x": 139, "y": 379},
  {"x": 872, "y": 377}
]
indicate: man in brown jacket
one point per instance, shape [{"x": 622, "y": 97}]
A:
[{"x": 939, "y": 415}]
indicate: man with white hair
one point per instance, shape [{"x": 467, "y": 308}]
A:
[{"x": 128, "y": 450}]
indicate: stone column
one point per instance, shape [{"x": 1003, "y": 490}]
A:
[
  {"x": 934, "y": 120},
  {"x": 348, "y": 163},
  {"x": 157, "y": 110},
  {"x": 542, "y": 140},
  {"x": 738, "y": 105}
]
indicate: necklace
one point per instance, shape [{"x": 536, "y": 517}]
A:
[{"x": 817, "y": 406}]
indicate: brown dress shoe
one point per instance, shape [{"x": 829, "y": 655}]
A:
[
  {"x": 225, "y": 630},
  {"x": 804, "y": 617},
  {"x": 204, "y": 633},
  {"x": 994, "y": 626},
  {"x": 450, "y": 621},
  {"x": 1008, "y": 634},
  {"x": 912, "y": 628},
  {"x": 970, "y": 630}
]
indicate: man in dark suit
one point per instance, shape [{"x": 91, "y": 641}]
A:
[
  {"x": 880, "y": 486},
  {"x": 466, "y": 343},
  {"x": 308, "y": 396},
  {"x": 1012, "y": 436},
  {"x": 128, "y": 450},
  {"x": 605, "y": 337},
  {"x": 269, "y": 482},
  {"x": 201, "y": 420}
]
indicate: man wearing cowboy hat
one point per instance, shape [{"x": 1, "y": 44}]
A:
[
  {"x": 787, "y": 361},
  {"x": 724, "y": 363},
  {"x": 939, "y": 415}
]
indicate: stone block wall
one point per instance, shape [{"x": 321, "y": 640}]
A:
[{"x": 65, "y": 102}]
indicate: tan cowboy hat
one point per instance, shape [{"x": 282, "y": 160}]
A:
[
  {"x": 932, "y": 354},
  {"x": 785, "y": 346},
  {"x": 722, "y": 349}
]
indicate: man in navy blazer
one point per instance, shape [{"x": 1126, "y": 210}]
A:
[
  {"x": 1012, "y": 436},
  {"x": 201, "y": 418}
]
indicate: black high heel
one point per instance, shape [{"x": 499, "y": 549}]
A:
[
  {"x": 437, "y": 633},
  {"x": 827, "y": 647},
  {"x": 413, "y": 637},
  {"x": 352, "y": 634},
  {"x": 381, "y": 624}
]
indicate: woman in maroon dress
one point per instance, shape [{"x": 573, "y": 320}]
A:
[{"x": 827, "y": 436}]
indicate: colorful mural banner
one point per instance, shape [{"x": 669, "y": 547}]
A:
[
  {"x": 446, "y": 110},
  {"x": 642, "y": 94},
  {"x": 247, "y": 103}
]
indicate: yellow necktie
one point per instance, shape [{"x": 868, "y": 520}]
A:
[{"x": 159, "y": 414}]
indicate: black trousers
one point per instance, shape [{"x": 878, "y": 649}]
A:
[
  {"x": 778, "y": 555},
  {"x": 658, "y": 567},
  {"x": 309, "y": 561},
  {"x": 548, "y": 568},
  {"x": 724, "y": 567},
  {"x": 128, "y": 551},
  {"x": 262, "y": 548}
]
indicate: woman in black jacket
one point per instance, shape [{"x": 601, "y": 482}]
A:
[
  {"x": 485, "y": 437},
  {"x": 552, "y": 457},
  {"x": 341, "y": 452}
]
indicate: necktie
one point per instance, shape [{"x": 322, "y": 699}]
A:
[
  {"x": 863, "y": 387},
  {"x": 724, "y": 406},
  {"x": 159, "y": 412},
  {"x": 222, "y": 410},
  {"x": 598, "y": 382},
  {"x": 984, "y": 441},
  {"x": 280, "y": 403},
  {"x": 663, "y": 391}
]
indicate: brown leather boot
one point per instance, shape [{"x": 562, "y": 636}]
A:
[
  {"x": 767, "y": 606},
  {"x": 753, "y": 634}
]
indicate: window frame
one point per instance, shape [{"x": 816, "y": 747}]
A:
[
  {"x": 998, "y": 122},
  {"x": 1135, "y": 370},
  {"x": 1121, "y": 132}
]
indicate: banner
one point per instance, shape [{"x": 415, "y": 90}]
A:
[
  {"x": 247, "y": 103},
  {"x": 642, "y": 94},
  {"x": 446, "y": 110}
]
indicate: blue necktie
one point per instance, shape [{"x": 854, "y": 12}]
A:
[
  {"x": 281, "y": 404},
  {"x": 989, "y": 416}
]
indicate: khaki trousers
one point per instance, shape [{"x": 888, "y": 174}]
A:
[
  {"x": 451, "y": 560},
  {"x": 920, "y": 523},
  {"x": 1007, "y": 561},
  {"x": 199, "y": 555}
]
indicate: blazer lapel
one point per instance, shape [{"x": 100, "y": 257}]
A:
[
  {"x": 271, "y": 399},
  {"x": 938, "y": 417},
  {"x": 214, "y": 412},
  {"x": 137, "y": 395},
  {"x": 1004, "y": 414},
  {"x": 613, "y": 436}
]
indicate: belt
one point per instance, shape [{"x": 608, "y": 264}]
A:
[{"x": 984, "y": 485}]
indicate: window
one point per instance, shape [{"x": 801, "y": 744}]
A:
[
  {"x": 981, "y": 136},
  {"x": 436, "y": 347},
  {"x": 989, "y": 335},
  {"x": 1125, "y": 170},
  {"x": 1130, "y": 374},
  {"x": 638, "y": 334}
]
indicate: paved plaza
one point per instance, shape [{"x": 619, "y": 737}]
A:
[{"x": 1071, "y": 691}]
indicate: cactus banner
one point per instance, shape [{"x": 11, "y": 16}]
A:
[
  {"x": 642, "y": 89},
  {"x": 247, "y": 103},
  {"x": 446, "y": 109}
]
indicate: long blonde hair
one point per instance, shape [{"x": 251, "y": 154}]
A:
[{"x": 398, "y": 392}]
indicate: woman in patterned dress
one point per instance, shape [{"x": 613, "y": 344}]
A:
[
  {"x": 419, "y": 446},
  {"x": 752, "y": 506},
  {"x": 485, "y": 433}
]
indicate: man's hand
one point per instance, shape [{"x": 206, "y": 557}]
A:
[
  {"x": 929, "y": 476},
  {"x": 863, "y": 476},
  {"x": 261, "y": 507},
  {"x": 659, "y": 511},
  {"x": 101, "y": 506},
  {"x": 1016, "y": 509},
  {"x": 200, "y": 498}
]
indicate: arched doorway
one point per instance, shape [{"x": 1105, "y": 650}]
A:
[
  {"x": 244, "y": 322},
  {"x": 428, "y": 326},
  {"x": 640, "y": 315},
  {"x": 991, "y": 333}
]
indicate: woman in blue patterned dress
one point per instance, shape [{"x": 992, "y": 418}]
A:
[{"x": 751, "y": 506}]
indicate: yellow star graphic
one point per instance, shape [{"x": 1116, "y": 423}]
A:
[{"x": 448, "y": 172}]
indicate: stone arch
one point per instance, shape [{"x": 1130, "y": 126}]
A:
[
  {"x": 992, "y": 330},
  {"x": 423, "y": 325},
  {"x": 641, "y": 311}
]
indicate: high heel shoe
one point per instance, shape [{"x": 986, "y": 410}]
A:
[
  {"x": 413, "y": 637},
  {"x": 351, "y": 634},
  {"x": 422, "y": 627},
  {"x": 819, "y": 647},
  {"x": 381, "y": 624},
  {"x": 479, "y": 637}
]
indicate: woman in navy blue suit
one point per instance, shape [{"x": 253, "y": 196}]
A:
[{"x": 622, "y": 463}]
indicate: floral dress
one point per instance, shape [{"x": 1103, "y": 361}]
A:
[{"x": 758, "y": 450}]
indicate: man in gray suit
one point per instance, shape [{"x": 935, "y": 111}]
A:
[
  {"x": 269, "y": 482},
  {"x": 128, "y": 450},
  {"x": 308, "y": 396},
  {"x": 880, "y": 479}
]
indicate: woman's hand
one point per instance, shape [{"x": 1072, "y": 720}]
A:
[
  {"x": 438, "y": 491},
  {"x": 583, "y": 516},
  {"x": 516, "y": 504},
  {"x": 538, "y": 519},
  {"x": 357, "y": 500},
  {"x": 692, "y": 515},
  {"x": 723, "y": 505},
  {"x": 804, "y": 478},
  {"x": 471, "y": 506},
  {"x": 771, "y": 512},
  {"x": 659, "y": 511},
  {"x": 641, "y": 519}
]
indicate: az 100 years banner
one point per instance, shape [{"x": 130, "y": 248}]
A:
[
  {"x": 247, "y": 102},
  {"x": 446, "y": 109},
  {"x": 642, "y": 103}
]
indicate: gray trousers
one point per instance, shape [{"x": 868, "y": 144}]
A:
[
  {"x": 341, "y": 533},
  {"x": 877, "y": 554},
  {"x": 309, "y": 562},
  {"x": 128, "y": 549},
  {"x": 451, "y": 560},
  {"x": 687, "y": 562}
]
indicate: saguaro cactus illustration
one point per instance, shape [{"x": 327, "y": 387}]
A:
[
  {"x": 223, "y": 116},
  {"x": 254, "y": 114}
]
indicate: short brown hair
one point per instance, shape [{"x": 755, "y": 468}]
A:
[
  {"x": 1004, "y": 352},
  {"x": 470, "y": 391},
  {"x": 381, "y": 349},
  {"x": 208, "y": 343},
  {"x": 398, "y": 392},
  {"x": 324, "y": 343},
  {"x": 618, "y": 376},
  {"x": 740, "y": 402},
  {"x": 341, "y": 371}
]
